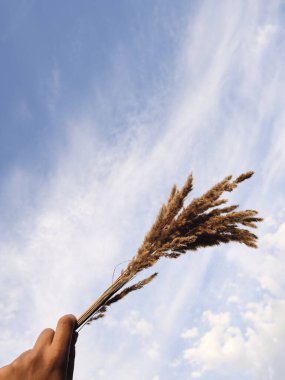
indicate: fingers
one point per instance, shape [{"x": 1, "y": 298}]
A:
[
  {"x": 63, "y": 335},
  {"x": 44, "y": 339}
]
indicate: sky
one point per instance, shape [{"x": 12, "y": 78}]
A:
[{"x": 104, "y": 105}]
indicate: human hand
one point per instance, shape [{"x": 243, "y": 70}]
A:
[{"x": 51, "y": 358}]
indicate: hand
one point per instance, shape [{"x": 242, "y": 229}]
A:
[{"x": 51, "y": 358}]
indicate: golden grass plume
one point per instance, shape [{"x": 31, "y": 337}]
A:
[{"x": 180, "y": 228}]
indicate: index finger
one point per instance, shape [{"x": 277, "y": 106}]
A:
[{"x": 63, "y": 334}]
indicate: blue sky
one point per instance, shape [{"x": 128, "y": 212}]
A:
[
  {"x": 53, "y": 55},
  {"x": 104, "y": 105}
]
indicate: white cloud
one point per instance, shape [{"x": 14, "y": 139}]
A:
[
  {"x": 277, "y": 238},
  {"x": 269, "y": 283},
  {"x": 226, "y": 349},
  {"x": 154, "y": 351},
  {"x": 219, "y": 348},
  {"x": 190, "y": 333},
  {"x": 137, "y": 325},
  {"x": 248, "y": 338},
  {"x": 233, "y": 299},
  {"x": 264, "y": 34},
  {"x": 52, "y": 91}
]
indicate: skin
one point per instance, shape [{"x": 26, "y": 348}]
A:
[{"x": 51, "y": 358}]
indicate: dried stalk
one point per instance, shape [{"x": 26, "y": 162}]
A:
[{"x": 179, "y": 229}]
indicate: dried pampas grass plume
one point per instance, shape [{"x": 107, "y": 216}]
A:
[{"x": 179, "y": 229}]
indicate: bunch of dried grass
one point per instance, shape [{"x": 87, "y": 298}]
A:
[{"x": 179, "y": 229}]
